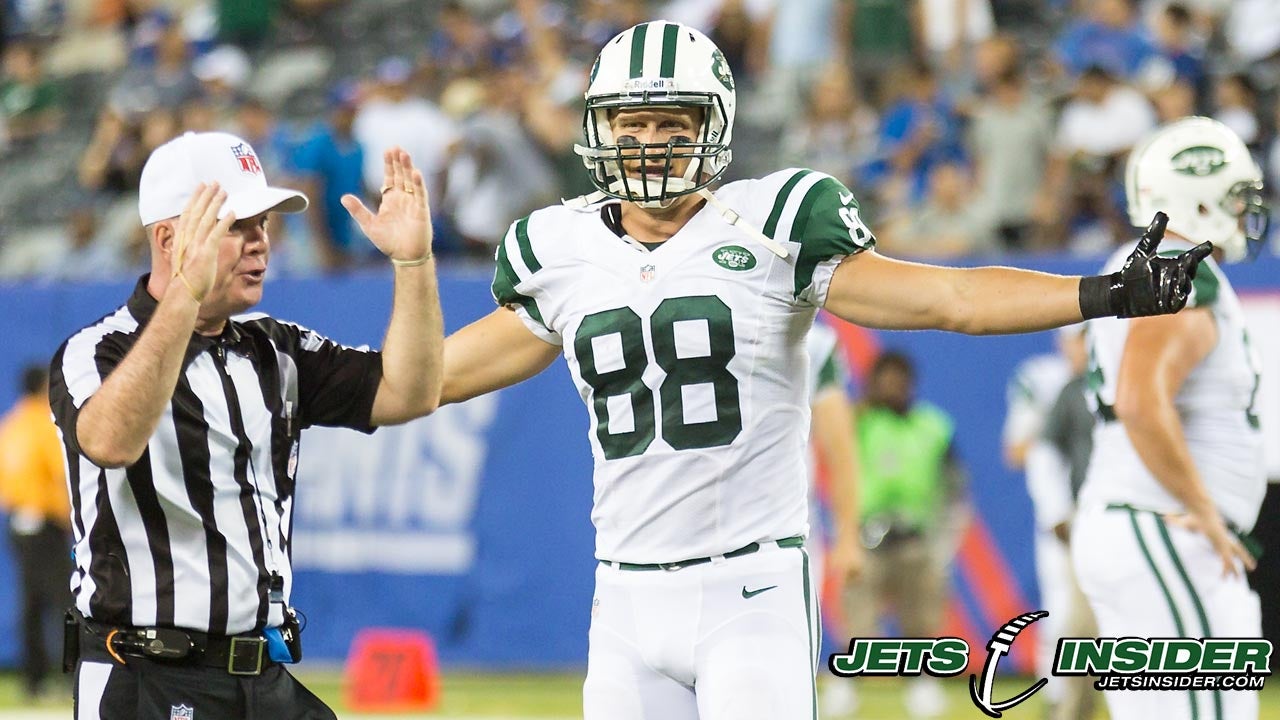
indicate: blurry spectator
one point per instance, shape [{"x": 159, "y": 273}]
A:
[
  {"x": 1009, "y": 138},
  {"x": 599, "y": 20},
  {"x": 164, "y": 82},
  {"x": 917, "y": 132},
  {"x": 30, "y": 104},
  {"x": 1252, "y": 30},
  {"x": 199, "y": 115},
  {"x": 1097, "y": 128},
  {"x": 802, "y": 41},
  {"x": 112, "y": 164},
  {"x": 223, "y": 73},
  {"x": 459, "y": 44},
  {"x": 497, "y": 174},
  {"x": 329, "y": 163},
  {"x": 1178, "y": 52},
  {"x": 948, "y": 224},
  {"x": 31, "y": 18},
  {"x": 86, "y": 257},
  {"x": 880, "y": 35},
  {"x": 835, "y": 133},
  {"x": 1108, "y": 36},
  {"x": 33, "y": 491},
  {"x": 911, "y": 488},
  {"x": 1178, "y": 100},
  {"x": 952, "y": 30},
  {"x": 739, "y": 29},
  {"x": 1236, "y": 106},
  {"x": 396, "y": 116}
]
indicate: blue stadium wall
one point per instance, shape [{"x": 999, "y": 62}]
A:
[{"x": 473, "y": 525}]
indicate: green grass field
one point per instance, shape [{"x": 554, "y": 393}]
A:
[{"x": 470, "y": 696}]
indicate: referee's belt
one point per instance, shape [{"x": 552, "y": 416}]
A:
[
  {"x": 1250, "y": 543},
  {"x": 244, "y": 654},
  {"x": 791, "y": 542}
]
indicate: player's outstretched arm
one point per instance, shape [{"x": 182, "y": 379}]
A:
[
  {"x": 1159, "y": 354},
  {"x": 492, "y": 353},
  {"x": 875, "y": 291}
]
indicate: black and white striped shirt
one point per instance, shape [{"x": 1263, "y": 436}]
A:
[{"x": 191, "y": 534}]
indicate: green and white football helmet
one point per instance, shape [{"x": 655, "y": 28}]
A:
[
  {"x": 658, "y": 64},
  {"x": 1200, "y": 173}
]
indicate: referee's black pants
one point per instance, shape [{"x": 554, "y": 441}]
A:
[
  {"x": 144, "y": 689},
  {"x": 44, "y": 571}
]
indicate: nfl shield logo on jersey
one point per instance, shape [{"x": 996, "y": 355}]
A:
[
  {"x": 647, "y": 273},
  {"x": 182, "y": 712}
]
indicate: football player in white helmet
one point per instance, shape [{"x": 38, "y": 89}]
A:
[
  {"x": 681, "y": 310},
  {"x": 1177, "y": 476}
]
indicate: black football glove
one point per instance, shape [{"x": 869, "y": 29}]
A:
[{"x": 1147, "y": 284}]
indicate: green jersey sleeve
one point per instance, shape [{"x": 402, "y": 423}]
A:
[
  {"x": 513, "y": 284},
  {"x": 828, "y": 228}
]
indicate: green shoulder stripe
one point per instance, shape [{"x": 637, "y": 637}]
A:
[
  {"x": 771, "y": 225},
  {"x": 1206, "y": 284},
  {"x": 504, "y": 286},
  {"x": 827, "y": 225},
  {"x": 526, "y": 247}
]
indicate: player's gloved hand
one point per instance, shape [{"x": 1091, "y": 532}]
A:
[{"x": 1147, "y": 284}]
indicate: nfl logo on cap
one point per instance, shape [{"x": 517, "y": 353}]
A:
[
  {"x": 248, "y": 161},
  {"x": 182, "y": 712}
]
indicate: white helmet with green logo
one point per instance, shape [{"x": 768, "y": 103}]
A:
[
  {"x": 658, "y": 64},
  {"x": 1200, "y": 173}
]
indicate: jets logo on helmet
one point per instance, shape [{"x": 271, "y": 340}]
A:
[
  {"x": 1199, "y": 160},
  {"x": 1199, "y": 172},
  {"x": 658, "y": 65}
]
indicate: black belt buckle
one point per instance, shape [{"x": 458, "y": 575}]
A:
[{"x": 244, "y": 657}]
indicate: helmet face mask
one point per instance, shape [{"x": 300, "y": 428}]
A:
[
  {"x": 1201, "y": 173},
  {"x": 658, "y": 66},
  {"x": 1247, "y": 200}
]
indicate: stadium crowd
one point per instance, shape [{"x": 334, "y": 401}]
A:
[{"x": 966, "y": 127}]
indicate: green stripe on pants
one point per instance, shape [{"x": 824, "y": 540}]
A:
[
  {"x": 1195, "y": 600},
  {"x": 1173, "y": 609},
  {"x": 809, "y": 625}
]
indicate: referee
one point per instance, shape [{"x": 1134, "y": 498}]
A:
[{"x": 181, "y": 426}]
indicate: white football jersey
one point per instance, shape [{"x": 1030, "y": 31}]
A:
[
  {"x": 1030, "y": 395},
  {"x": 1215, "y": 404},
  {"x": 690, "y": 358}
]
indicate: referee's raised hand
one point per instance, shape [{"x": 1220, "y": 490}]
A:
[
  {"x": 401, "y": 228},
  {"x": 197, "y": 236}
]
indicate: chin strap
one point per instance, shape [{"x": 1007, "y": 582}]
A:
[
  {"x": 732, "y": 217},
  {"x": 582, "y": 201}
]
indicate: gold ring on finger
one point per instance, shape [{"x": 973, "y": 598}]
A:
[{"x": 409, "y": 189}]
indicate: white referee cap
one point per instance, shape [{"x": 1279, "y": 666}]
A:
[{"x": 173, "y": 171}]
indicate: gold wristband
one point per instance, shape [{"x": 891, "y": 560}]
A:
[
  {"x": 412, "y": 263},
  {"x": 190, "y": 289}
]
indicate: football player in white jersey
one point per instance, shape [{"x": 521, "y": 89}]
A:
[
  {"x": 682, "y": 312},
  {"x": 1177, "y": 469}
]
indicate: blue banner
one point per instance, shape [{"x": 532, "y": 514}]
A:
[{"x": 473, "y": 524}]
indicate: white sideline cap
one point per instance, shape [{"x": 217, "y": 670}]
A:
[{"x": 173, "y": 171}]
